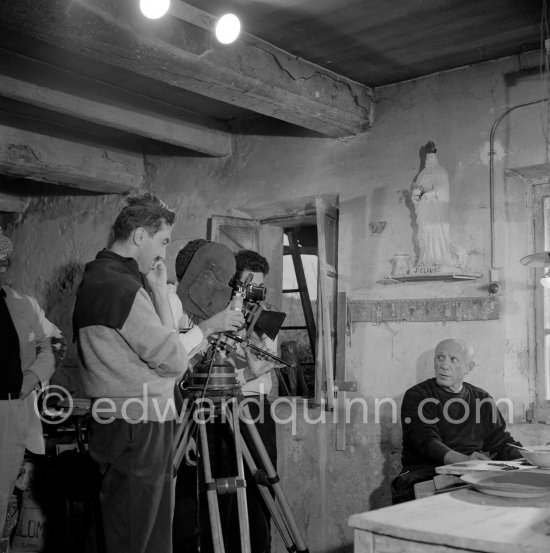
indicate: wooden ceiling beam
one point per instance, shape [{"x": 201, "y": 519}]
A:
[
  {"x": 65, "y": 92},
  {"x": 35, "y": 151},
  {"x": 250, "y": 73}
]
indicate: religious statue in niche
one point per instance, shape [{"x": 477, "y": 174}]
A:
[{"x": 430, "y": 198}]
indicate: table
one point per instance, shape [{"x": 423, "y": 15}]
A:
[
  {"x": 458, "y": 521},
  {"x": 467, "y": 467}
]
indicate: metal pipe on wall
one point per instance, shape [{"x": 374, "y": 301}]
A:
[{"x": 492, "y": 172}]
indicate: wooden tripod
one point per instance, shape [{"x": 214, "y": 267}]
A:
[{"x": 266, "y": 478}]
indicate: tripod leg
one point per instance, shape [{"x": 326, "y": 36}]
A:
[
  {"x": 211, "y": 493},
  {"x": 184, "y": 431},
  {"x": 269, "y": 502},
  {"x": 273, "y": 481},
  {"x": 241, "y": 490}
]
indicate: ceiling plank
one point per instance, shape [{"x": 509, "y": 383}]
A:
[
  {"x": 251, "y": 74},
  {"x": 46, "y": 86},
  {"x": 30, "y": 150}
]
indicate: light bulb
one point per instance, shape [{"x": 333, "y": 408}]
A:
[
  {"x": 153, "y": 9},
  {"x": 228, "y": 28},
  {"x": 545, "y": 280}
]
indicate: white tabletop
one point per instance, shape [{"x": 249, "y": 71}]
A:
[{"x": 466, "y": 519}]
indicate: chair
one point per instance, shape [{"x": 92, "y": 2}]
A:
[{"x": 439, "y": 484}]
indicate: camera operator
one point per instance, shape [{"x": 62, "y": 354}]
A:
[
  {"x": 253, "y": 371},
  {"x": 191, "y": 523},
  {"x": 254, "y": 376},
  {"x": 186, "y": 527}
]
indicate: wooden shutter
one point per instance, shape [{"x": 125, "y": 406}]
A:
[
  {"x": 327, "y": 243},
  {"x": 238, "y": 233}
]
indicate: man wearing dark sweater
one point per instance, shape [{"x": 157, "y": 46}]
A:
[
  {"x": 131, "y": 357},
  {"x": 446, "y": 420}
]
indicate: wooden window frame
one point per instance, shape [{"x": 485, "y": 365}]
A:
[{"x": 541, "y": 300}]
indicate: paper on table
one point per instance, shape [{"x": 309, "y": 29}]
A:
[{"x": 472, "y": 466}]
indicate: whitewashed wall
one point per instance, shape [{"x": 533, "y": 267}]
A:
[{"x": 370, "y": 173}]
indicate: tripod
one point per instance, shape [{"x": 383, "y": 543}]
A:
[{"x": 223, "y": 398}]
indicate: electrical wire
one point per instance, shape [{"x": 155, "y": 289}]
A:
[{"x": 545, "y": 71}]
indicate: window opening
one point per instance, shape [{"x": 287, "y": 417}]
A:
[
  {"x": 300, "y": 263},
  {"x": 289, "y": 242}
]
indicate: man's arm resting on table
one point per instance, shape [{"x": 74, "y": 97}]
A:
[
  {"x": 437, "y": 451},
  {"x": 455, "y": 457}
]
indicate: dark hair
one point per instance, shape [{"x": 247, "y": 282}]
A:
[
  {"x": 251, "y": 261},
  {"x": 186, "y": 254},
  {"x": 143, "y": 210}
]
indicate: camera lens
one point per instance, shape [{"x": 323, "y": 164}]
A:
[{"x": 255, "y": 293}]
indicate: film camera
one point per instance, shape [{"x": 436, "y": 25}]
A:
[
  {"x": 207, "y": 286},
  {"x": 215, "y": 374},
  {"x": 248, "y": 297}
]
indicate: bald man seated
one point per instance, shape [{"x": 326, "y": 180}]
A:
[{"x": 446, "y": 420}]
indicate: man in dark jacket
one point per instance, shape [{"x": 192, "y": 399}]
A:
[{"x": 446, "y": 420}]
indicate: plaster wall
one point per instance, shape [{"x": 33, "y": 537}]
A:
[{"x": 372, "y": 175}]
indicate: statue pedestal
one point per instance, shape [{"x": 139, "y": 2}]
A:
[{"x": 421, "y": 273}]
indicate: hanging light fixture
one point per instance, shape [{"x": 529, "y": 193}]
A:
[
  {"x": 539, "y": 259},
  {"x": 154, "y": 9},
  {"x": 228, "y": 28},
  {"x": 545, "y": 280}
]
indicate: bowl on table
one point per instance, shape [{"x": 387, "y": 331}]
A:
[
  {"x": 521, "y": 484},
  {"x": 538, "y": 455}
]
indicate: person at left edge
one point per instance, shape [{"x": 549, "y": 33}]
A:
[
  {"x": 131, "y": 357},
  {"x": 32, "y": 347}
]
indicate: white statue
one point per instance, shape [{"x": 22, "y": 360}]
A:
[{"x": 430, "y": 196}]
